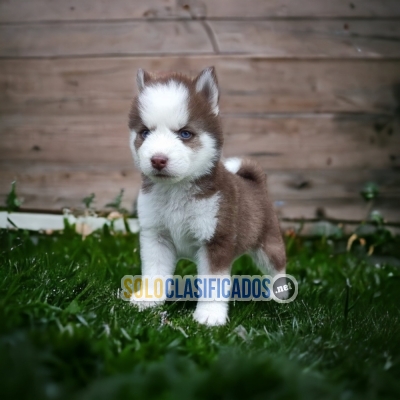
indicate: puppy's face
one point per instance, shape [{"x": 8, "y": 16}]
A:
[{"x": 175, "y": 130}]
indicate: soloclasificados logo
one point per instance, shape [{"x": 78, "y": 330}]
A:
[{"x": 282, "y": 288}]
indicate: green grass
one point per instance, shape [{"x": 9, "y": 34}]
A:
[{"x": 65, "y": 334}]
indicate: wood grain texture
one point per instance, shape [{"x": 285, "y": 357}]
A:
[
  {"x": 276, "y": 141},
  {"x": 55, "y": 186},
  {"x": 272, "y": 39},
  {"x": 310, "y": 38},
  {"x": 64, "y": 10},
  {"x": 315, "y": 141},
  {"x": 103, "y": 38},
  {"x": 305, "y": 8},
  {"x": 333, "y": 193},
  {"x": 310, "y": 89},
  {"x": 105, "y": 86}
]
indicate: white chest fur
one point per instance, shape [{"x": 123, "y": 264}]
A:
[{"x": 174, "y": 210}]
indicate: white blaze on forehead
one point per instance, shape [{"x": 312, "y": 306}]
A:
[{"x": 164, "y": 104}]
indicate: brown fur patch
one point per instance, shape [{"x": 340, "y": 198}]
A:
[
  {"x": 251, "y": 171},
  {"x": 246, "y": 218},
  {"x": 136, "y": 123}
]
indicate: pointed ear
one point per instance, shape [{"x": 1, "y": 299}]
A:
[
  {"x": 142, "y": 79},
  {"x": 207, "y": 84}
]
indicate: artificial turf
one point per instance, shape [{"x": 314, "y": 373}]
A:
[{"x": 64, "y": 332}]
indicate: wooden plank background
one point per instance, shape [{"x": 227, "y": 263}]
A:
[{"x": 310, "y": 89}]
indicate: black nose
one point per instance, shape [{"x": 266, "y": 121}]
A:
[{"x": 159, "y": 162}]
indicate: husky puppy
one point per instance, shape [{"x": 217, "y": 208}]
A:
[{"x": 191, "y": 204}]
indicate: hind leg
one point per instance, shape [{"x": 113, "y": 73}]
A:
[{"x": 271, "y": 257}]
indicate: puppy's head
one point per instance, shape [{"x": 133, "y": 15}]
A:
[{"x": 174, "y": 124}]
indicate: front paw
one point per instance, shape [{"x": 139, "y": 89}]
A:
[{"x": 212, "y": 313}]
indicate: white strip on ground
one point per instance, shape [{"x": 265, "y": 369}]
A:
[
  {"x": 50, "y": 222},
  {"x": 86, "y": 225}
]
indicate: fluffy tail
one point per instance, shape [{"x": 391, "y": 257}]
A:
[{"x": 247, "y": 169}]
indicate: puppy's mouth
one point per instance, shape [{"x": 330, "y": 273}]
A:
[{"x": 162, "y": 175}]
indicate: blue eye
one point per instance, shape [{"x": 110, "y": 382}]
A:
[
  {"x": 185, "y": 134},
  {"x": 145, "y": 133}
]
